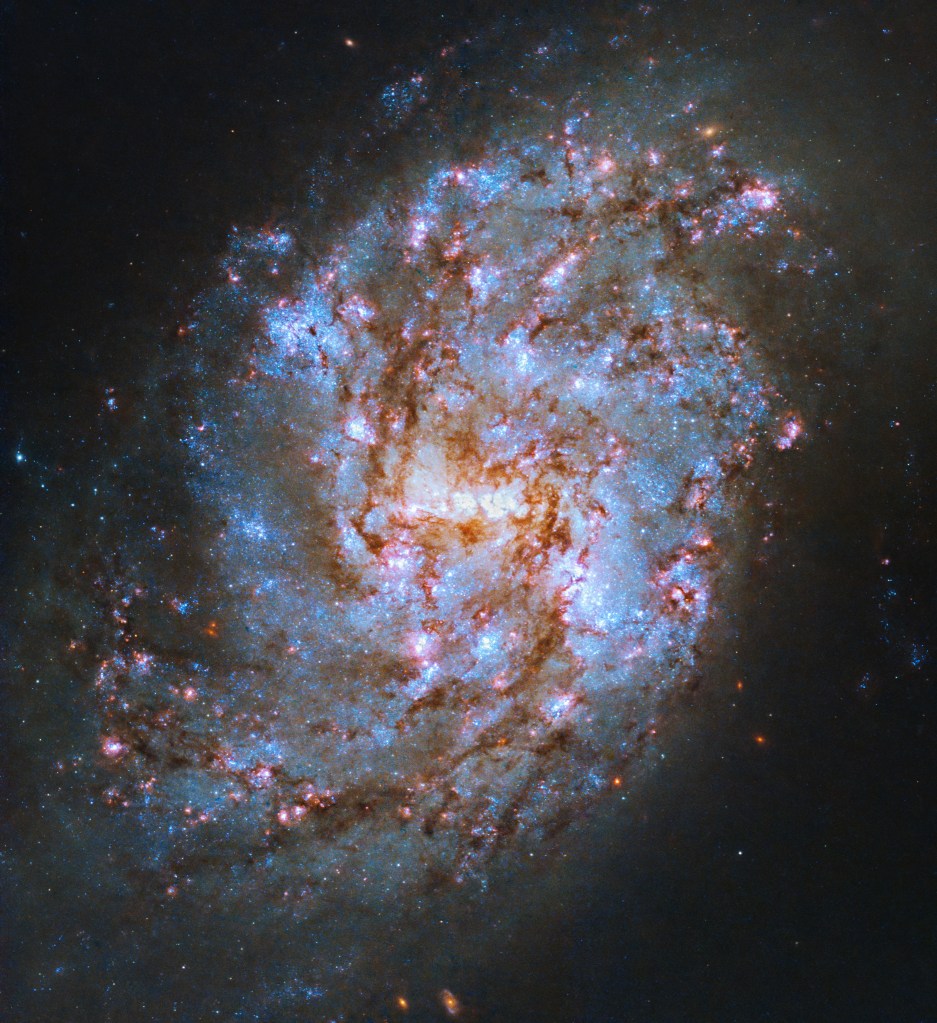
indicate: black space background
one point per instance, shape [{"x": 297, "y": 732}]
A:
[{"x": 135, "y": 134}]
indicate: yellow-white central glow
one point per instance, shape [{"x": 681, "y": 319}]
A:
[{"x": 431, "y": 488}]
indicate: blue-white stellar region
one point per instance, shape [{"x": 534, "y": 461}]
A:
[{"x": 470, "y": 455}]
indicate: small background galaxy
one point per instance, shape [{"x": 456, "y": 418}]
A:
[{"x": 468, "y": 513}]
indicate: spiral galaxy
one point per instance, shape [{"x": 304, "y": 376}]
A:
[
  {"x": 467, "y": 449},
  {"x": 472, "y": 485}
]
